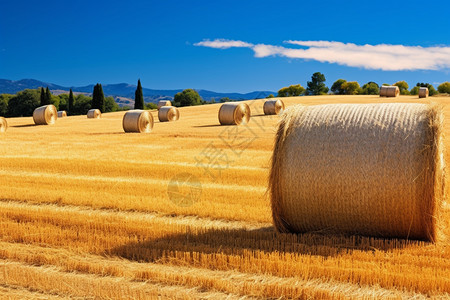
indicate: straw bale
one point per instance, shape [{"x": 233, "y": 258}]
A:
[
  {"x": 368, "y": 169},
  {"x": 234, "y": 113}
]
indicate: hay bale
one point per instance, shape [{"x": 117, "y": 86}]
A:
[
  {"x": 164, "y": 103},
  {"x": 3, "y": 124},
  {"x": 389, "y": 91},
  {"x": 137, "y": 121},
  {"x": 168, "y": 114},
  {"x": 45, "y": 115},
  {"x": 94, "y": 114},
  {"x": 369, "y": 169},
  {"x": 423, "y": 92},
  {"x": 62, "y": 114},
  {"x": 273, "y": 107},
  {"x": 234, "y": 113}
]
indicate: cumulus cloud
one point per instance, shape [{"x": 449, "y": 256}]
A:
[{"x": 382, "y": 56}]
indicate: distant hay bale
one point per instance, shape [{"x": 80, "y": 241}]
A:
[
  {"x": 389, "y": 91},
  {"x": 45, "y": 115},
  {"x": 164, "y": 103},
  {"x": 94, "y": 114},
  {"x": 3, "y": 125},
  {"x": 137, "y": 121},
  {"x": 168, "y": 114},
  {"x": 423, "y": 92},
  {"x": 62, "y": 114},
  {"x": 368, "y": 169},
  {"x": 273, "y": 107},
  {"x": 234, "y": 113}
]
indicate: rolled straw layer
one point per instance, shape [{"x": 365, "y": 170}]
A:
[
  {"x": 389, "y": 91},
  {"x": 3, "y": 125},
  {"x": 423, "y": 92},
  {"x": 234, "y": 113},
  {"x": 94, "y": 114},
  {"x": 137, "y": 121},
  {"x": 62, "y": 114},
  {"x": 45, "y": 115},
  {"x": 164, "y": 103},
  {"x": 273, "y": 107},
  {"x": 168, "y": 114},
  {"x": 368, "y": 169}
]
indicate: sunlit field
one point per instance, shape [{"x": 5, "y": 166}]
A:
[{"x": 87, "y": 210}]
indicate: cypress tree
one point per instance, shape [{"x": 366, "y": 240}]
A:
[
  {"x": 42, "y": 98},
  {"x": 101, "y": 99},
  {"x": 48, "y": 97},
  {"x": 71, "y": 100},
  {"x": 95, "y": 97},
  {"x": 138, "y": 97}
]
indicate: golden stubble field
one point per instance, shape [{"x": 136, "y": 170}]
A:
[{"x": 85, "y": 213}]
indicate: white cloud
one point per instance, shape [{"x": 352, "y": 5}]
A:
[
  {"x": 383, "y": 56},
  {"x": 223, "y": 44}
]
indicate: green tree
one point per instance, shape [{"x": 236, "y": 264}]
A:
[
  {"x": 71, "y": 101},
  {"x": 42, "y": 97},
  {"x": 81, "y": 105},
  {"x": 48, "y": 97},
  {"x": 4, "y": 100},
  {"x": 350, "y": 87},
  {"x": 98, "y": 98},
  {"x": 23, "y": 103},
  {"x": 138, "y": 97},
  {"x": 370, "y": 88},
  {"x": 188, "y": 97},
  {"x": 291, "y": 91},
  {"x": 336, "y": 88},
  {"x": 431, "y": 90},
  {"x": 111, "y": 105},
  {"x": 403, "y": 87},
  {"x": 224, "y": 99},
  {"x": 149, "y": 105},
  {"x": 316, "y": 86},
  {"x": 444, "y": 88},
  {"x": 270, "y": 96}
]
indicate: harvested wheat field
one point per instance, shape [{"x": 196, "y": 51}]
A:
[{"x": 85, "y": 213}]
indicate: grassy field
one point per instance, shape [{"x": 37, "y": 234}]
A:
[{"x": 85, "y": 213}]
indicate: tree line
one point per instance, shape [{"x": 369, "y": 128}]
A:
[{"x": 343, "y": 87}]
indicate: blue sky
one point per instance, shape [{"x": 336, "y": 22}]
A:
[{"x": 165, "y": 43}]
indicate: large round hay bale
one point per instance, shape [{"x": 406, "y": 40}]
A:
[
  {"x": 62, "y": 114},
  {"x": 3, "y": 124},
  {"x": 45, "y": 115},
  {"x": 423, "y": 92},
  {"x": 368, "y": 169},
  {"x": 389, "y": 91},
  {"x": 137, "y": 121},
  {"x": 94, "y": 114},
  {"x": 273, "y": 107},
  {"x": 234, "y": 113},
  {"x": 168, "y": 114},
  {"x": 164, "y": 103}
]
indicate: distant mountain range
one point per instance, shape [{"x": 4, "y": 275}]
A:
[{"x": 122, "y": 92}]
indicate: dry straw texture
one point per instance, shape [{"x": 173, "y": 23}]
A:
[
  {"x": 137, "y": 121},
  {"x": 3, "y": 124},
  {"x": 389, "y": 91},
  {"x": 168, "y": 114},
  {"x": 62, "y": 114},
  {"x": 273, "y": 107},
  {"x": 94, "y": 114},
  {"x": 369, "y": 169},
  {"x": 164, "y": 103},
  {"x": 423, "y": 92},
  {"x": 234, "y": 113},
  {"x": 45, "y": 115}
]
